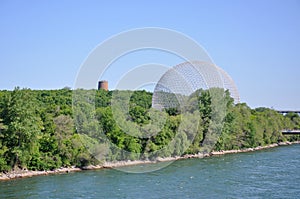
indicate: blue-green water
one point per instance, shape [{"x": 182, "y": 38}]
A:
[{"x": 272, "y": 173}]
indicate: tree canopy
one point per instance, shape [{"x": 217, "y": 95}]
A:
[{"x": 41, "y": 130}]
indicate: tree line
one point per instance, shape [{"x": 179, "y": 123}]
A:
[{"x": 49, "y": 129}]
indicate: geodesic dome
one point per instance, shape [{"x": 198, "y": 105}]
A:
[
  {"x": 229, "y": 84},
  {"x": 188, "y": 77}
]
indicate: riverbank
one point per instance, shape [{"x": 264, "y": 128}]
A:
[{"x": 26, "y": 173}]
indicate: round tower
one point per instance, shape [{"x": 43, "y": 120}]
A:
[{"x": 103, "y": 85}]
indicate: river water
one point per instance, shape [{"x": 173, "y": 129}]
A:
[{"x": 271, "y": 173}]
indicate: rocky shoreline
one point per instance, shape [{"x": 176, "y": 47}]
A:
[{"x": 26, "y": 173}]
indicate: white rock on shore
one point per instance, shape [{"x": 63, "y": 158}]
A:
[{"x": 26, "y": 173}]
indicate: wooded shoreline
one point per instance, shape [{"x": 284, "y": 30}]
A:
[
  {"x": 43, "y": 130},
  {"x": 108, "y": 165}
]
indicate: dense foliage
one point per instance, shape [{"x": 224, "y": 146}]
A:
[{"x": 37, "y": 130}]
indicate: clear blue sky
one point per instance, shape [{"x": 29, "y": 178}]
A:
[{"x": 43, "y": 43}]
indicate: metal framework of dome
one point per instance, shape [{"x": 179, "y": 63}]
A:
[{"x": 185, "y": 78}]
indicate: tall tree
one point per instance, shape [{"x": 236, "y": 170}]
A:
[{"x": 23, "y": 127}]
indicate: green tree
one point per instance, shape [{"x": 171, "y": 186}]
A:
[
  {"x": 3, "y": 149},
  {"x": 23, "y": 127}
]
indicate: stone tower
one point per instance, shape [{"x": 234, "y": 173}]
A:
[{"x": 103, "y": 85}]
